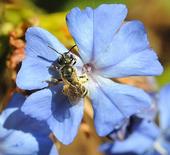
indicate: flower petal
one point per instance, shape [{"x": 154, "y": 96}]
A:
[
  {"x": 14, "y": 142},
  {"x": 93, "y": 30},
  {"x": 33, "y": 74},
  {"x": 38, "y": 105},
  {"x": 164, "y": 107},
  {"x": 62, "y": 116},
  {"x": 113, "y": 103},
  {"x": 129, "y": 54},
  {"x": 12, "y": 118},
  {"x": 140, "y": 141},
  {"x": 35, "y": 69},
  {"x": 38, "y": 41},
  {"x": 54, "y": 151},
  {"x": 16, "y": 101},
  {"x": 19, "y": 121},
  {"x": 5, "y": 114}
]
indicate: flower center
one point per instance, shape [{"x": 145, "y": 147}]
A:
[{"x": 88, "y": 68}]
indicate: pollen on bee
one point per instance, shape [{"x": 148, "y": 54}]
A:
[{"x": 83, "y": 78}]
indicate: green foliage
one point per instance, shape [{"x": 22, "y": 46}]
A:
[
  {"x": 91, "y": 3},
  {"x": 59, "y": 5},
  {"x": 56, "y": 24},
  {"x": 16, "y": 15},
  {"x": 165, "y": 77}
]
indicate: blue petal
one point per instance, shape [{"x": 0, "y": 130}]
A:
[
  {"x": 54, "y": 151},
  {"x": 19, "y": 121},
  {"x": 93, "y": 30},
  {"x": 120, "y": 132},
  {"x": 37, "y": 42},
  {"x": 5, "y": 114},
  {"x": 140, "y": 141},
  {"x": 114, "y": 103},
  {"x": 150, "y": 114},
  {"x": 39, "y": 57},
  {"x": 163, "y": 146},
  {"x": 16, "y": 101},
  {"x": 107, "y": 149},
  {"x": 149, "y": 129},
  {"x": 12, "y": 118},
  {"x": 38, "y": 105},
  {"x": 164, "y": 107},
  {"x": 14, "y": 142},
  {"x": 62, "y": 116},
  {"x": 129, "y": 54},
  {"x": 33, "y": 74}
]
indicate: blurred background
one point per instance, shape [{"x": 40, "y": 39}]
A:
[{"x": 17, "y": 15}]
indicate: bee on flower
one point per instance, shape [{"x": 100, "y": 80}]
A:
[{"x": 108, "y": 48}]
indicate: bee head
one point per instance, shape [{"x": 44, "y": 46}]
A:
[{"x": 65, "y": 59}]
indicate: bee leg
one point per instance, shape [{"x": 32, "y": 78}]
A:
[
  {"x": 85, "y": 93},
  {"x": 74, "y": 61},
  {"x": 56, "y": 80},
  {"x": 53, "y": 81},
  {"x": 65, "y": 89}
]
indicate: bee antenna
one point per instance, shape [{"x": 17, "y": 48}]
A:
[
  {"x": 71, "y": 48},
  {"x": 55, "y": 50}
]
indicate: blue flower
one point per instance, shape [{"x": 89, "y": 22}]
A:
[
  {"x": 139, "y": 142},
  {"x": 164, "y": 107},
  {"x": 163, "y": 141},
  {"x": 22, "y": 135},
  {"x": 147, "y": 139},
  {"x": 108, "y": 48}
]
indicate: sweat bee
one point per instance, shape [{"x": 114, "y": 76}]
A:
[{"x": 73, "y": 84}]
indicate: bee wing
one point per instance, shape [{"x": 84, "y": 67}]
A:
[{"x": 39, "y": 41}]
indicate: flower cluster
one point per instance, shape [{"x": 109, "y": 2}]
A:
[
  {"x": 145, "y": 137},
  {"x": 108, "y": 48},
  {"x": 20, "y": 134}
]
